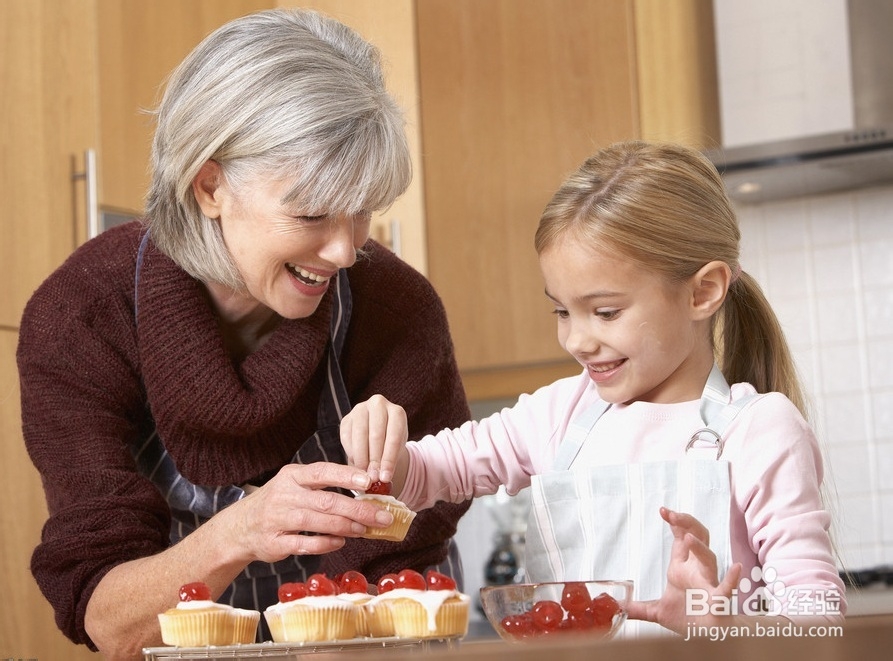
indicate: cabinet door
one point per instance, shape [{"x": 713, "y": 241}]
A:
[
  {"x": 515, "y": 94},
  {"x": 27, "y": 627},
  {"x": 47, "y": 121},
  {"x": 140, "y": 43}
]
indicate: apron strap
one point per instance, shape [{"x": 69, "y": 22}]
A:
[{"x": 716, "y": 412}]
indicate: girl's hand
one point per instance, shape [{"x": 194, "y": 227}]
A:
[
  {"x": 374, "y": 436},
  {"x": 692, "y": 566}
]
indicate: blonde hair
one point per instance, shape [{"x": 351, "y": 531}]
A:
[
  {"x": 284, "y": 94},
  {"x": 664, "y": 207}
]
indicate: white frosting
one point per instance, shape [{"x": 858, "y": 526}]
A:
[
  {"x": 197, "y": 604},
  {"x": 355, "y": 597},
  {"x": 431, "y": 600},
  {"x": 382, "y": 497},
  {"x": 320, "y": 601}
]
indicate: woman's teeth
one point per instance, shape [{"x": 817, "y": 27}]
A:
[{"x": 307, "y": 277}]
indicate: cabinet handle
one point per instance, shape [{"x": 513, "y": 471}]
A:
[
  {"x": 396, "y": 246},
  {"x": 90, "y": 192}
]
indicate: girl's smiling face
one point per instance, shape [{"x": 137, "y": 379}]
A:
[
  {"x": 286, "y": 255},
  {"x": 639, "y": 337}
]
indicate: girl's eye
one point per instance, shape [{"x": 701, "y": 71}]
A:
[
  {"x": 607, "y": 315},
  {"x": 561, "y": 314}
]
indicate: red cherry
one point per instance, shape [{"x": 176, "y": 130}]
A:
[
  {"x": 387, "y": 583},
  {"x": 547, "y": 614},
  {"x": 292, "y": 591},
  {"x": 519, "y": 626},
  {"x": 320, "y": 585},
  {"x": 380, "y": 488},
  {"x": 575, "y": 597},
  {"x": 353, "y": 582},
  {"x": 411, "y": 580},
  {"x": 580, "y": 621},
  {"x": 196, "y": 591},
  {"x": 604, "y": 607},
  {"x": 438, "y": 581}
]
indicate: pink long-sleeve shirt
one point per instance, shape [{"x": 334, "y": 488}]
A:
[{"x": 778, "y": 516}]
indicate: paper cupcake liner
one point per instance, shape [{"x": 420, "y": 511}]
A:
[
  {"x": 411, "y": 619},
  {"x": 300, "y": 624},
  {"x": 396, "y": 532},
  {"x": 210, "y": 627},
  {"x": 379, "y": 620}
]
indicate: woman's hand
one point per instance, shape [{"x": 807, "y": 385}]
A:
[
  {"x": 293, "y": 514},
  {"x": 374, "y": 436},
  {"x": 692, "y": 566}
]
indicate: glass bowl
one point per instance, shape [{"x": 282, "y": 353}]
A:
[{"x": 525, "y": 611}]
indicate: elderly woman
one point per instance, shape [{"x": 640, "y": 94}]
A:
[{"x": 183, "y": 378}]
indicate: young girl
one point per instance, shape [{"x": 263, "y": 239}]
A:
[{"x": 639, "y": 254}]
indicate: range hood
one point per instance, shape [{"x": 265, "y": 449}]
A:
[{"x": 859, "y": 156}]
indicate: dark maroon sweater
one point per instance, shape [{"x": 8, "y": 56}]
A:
[{"x": 93, "y": 381}]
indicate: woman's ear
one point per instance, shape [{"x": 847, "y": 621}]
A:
[
  {"x": 207, "y": 189},
  {"x": 709, "y": 287}
]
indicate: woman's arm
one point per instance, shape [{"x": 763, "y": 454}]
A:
[{"x": 267, "y": 525}]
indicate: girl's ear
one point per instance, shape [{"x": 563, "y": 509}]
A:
[
  {"x": 709, "y": 287},
  {"x": 207, "y": 188}
]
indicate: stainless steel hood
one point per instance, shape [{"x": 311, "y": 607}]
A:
[
  {"x": 838, "y": 161},
  {"x": 807, "y": 166}
]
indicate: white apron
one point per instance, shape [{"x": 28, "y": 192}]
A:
[{"x": 603, "y": 522}]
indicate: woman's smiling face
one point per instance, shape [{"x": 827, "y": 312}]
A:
[
  {"x": 286, "y": 255},
  {"x": 634, "y": 332}
]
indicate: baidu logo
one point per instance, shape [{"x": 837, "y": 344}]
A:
[{"x": 759, "y": 594}]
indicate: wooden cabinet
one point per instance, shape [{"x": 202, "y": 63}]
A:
[
  {"x": 514, "y": 95},
  {"x": 73, "y": 76},
  {"x": 48, "y": 118},
  {"x": 27, "y": 628}
]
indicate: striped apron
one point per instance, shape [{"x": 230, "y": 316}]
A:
[
  {"x": 191, "y": 505},
  {"x": 602, "y": 522}
]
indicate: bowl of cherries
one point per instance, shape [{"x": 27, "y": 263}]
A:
[{"x": 527, "y": 611}]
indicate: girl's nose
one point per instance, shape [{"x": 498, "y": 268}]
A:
[{"x": 580, "y": 340}]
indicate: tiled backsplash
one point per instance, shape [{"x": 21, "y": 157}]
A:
[{"x": 826, "y": 265}]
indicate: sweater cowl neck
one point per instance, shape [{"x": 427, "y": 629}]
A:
[{"x": 197, "y": 394}]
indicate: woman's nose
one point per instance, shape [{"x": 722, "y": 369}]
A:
[{"x": 340, "y": 247}]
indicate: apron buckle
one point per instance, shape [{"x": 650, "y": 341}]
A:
[{"x": 717, "y": 440}]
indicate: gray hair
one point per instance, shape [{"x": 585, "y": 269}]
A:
[{"x": 286, "y": 94}]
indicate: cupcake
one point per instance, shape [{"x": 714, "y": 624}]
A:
[
  {"x": 379, "y": 493},
  {"x": 424, "y": 607},
  {"x": 354, "y": 588},
  {"x": 311, "y": 612},
  {"x": 197, "y": 621}
]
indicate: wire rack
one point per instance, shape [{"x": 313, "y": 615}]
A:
[{"x": 271, "y": 650}]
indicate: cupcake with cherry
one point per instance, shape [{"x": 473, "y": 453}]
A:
[
  {"x": 379, "y": 493},
  {"x": 197, "y": 621},
  {"x": 420, "y": 606},
  {"x": 312, "y": 611}
]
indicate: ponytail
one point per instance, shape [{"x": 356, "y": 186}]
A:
[{"x": 751, "y": 345}]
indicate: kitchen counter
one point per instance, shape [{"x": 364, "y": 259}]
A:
[{"x": 863, "y": 638}]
